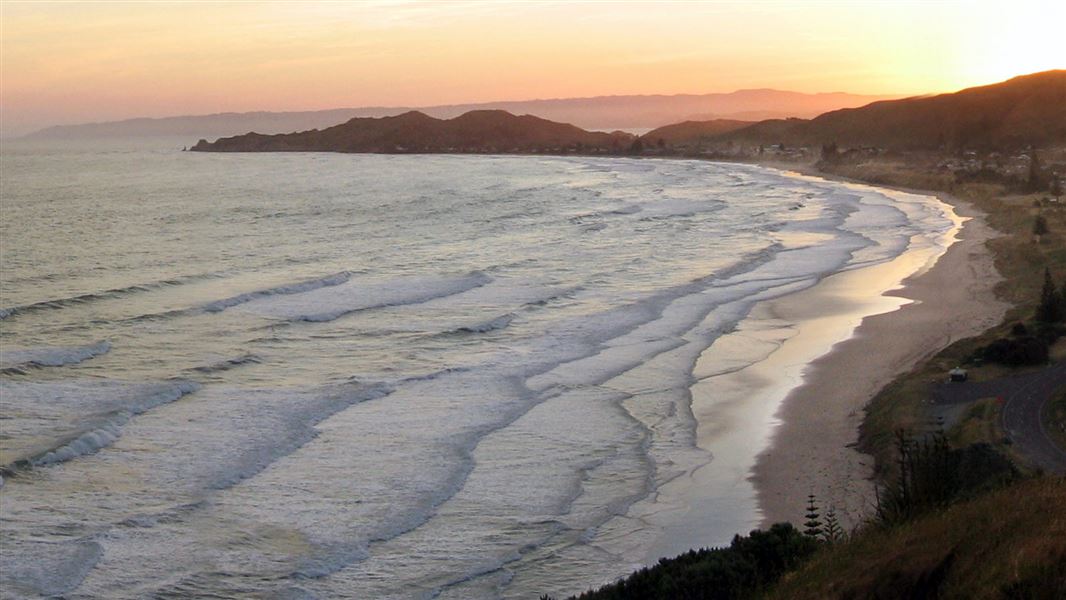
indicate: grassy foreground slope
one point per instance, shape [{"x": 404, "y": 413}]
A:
[{"x": 1010, "y": 543}]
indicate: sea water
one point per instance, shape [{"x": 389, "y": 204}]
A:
[{"x": 325, "y": 375}]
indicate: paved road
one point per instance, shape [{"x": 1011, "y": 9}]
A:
[{"x": 1024, "y": 398}]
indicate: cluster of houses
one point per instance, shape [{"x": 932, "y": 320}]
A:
[
  {"x": 1004, "y": 164},
  {"x": 1007, "y": 167}
]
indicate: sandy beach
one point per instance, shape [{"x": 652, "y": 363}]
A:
[{"x": 812, "y": 444}]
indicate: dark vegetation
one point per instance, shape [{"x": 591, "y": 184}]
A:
[
  {"x": 1031, "y": 346},
  {"x": 745, "y": 569},
  {"x": 929, "y": 474}
]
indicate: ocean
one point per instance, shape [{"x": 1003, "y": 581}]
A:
[{"x": 369, "y": 376}]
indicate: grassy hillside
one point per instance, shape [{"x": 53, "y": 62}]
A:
[
  {"x": 1023, "y": 111},
  {"x": 691, "y": 133},
  {"x": 1009, "y": 543}
]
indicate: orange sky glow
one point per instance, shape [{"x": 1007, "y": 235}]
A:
[{"x": 72, "y": 62}]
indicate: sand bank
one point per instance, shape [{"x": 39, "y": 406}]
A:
[{"x": 811, "y": 445}]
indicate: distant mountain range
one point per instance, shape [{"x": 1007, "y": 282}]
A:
[
  {"x": 1026, "y": 110},
  {"x": 603, "y": 113}
]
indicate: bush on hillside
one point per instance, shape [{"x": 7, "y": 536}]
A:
[
  {"x": 746, "y": 568},
  {"x": 1015, "y": 352},
  {"x": 930, "y": 474}
]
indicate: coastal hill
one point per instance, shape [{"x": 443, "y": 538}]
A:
[
  {"x": 603, "y": 113},
  {"x": 693, "y": 132},
  {"x": 1025, "y": 110},
  {"x": 473, "y": 132}
]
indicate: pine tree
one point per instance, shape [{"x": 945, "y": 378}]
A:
[
  {"x": 1062, "y": 301},
  {"x": 1050, "y": 308},
  {"x": 813, "y": 526},
  {"x": 833, "y": 531},
  {"x": 830, "y": 152}
]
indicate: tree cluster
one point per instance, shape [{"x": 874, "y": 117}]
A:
[
  {"x": 1036, "y": 181},
  {"x": 1052, "y": 308},
  {"x": 1032, "y": 347},
  {"x": 830, "y": 153},
  {"x": 744, "y": 569},
  {"x": 1040, "y": 226},
  {"x": 929, "y": 474},
  {"x": 825, "y": 528}
]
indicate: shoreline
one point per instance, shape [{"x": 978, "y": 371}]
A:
[
  {"x": 811, "y": 447},
  {"x": 785, "y": 425}
]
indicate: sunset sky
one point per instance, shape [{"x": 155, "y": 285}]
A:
[{"x": 78, "y": 62}]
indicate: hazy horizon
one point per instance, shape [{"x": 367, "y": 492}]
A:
[
  {"x": 601, "y": 113},
  {"x": 100, "y": 62}
]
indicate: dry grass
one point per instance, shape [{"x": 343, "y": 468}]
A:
[{"x": 1008, "y": 543}]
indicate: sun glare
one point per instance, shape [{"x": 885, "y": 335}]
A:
[{"x": 1021, "y": 38}]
